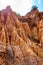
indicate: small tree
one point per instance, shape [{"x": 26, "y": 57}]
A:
[{"x": 34, "y": 7}]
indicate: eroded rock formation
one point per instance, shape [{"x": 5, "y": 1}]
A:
[{"x": 21, "y": 38}]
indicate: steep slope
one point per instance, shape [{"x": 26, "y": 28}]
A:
[{"x": 16, "y": 44}]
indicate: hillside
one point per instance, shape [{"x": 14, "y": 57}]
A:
[{"x": 21, "y": 38}]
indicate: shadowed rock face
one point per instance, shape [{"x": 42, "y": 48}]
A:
[
  {"x": 6, "y": 11},
  {"x": 18, "y": 38}
]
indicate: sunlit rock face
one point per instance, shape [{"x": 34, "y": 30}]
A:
[{"x": 21, "y": 38}]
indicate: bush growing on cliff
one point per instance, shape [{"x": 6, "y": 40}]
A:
[{"x": 34, "y": 7}]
